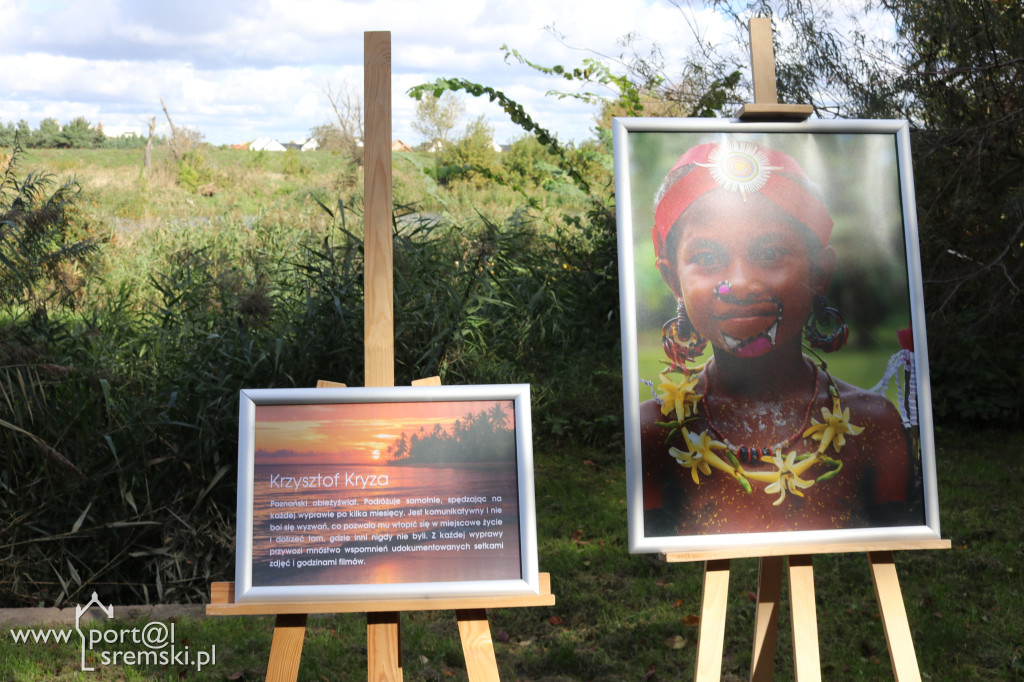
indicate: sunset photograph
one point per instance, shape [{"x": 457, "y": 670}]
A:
[{"x": 369, "y": 433}]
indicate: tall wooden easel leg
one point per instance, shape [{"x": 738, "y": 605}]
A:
[
  {"x": 383, "y": 647},
  {"x": 894, "y": 617},
  {"x": 766, "y": 621},
  {"x": 286, "y": 647},
  {"x": 711, "y": 641},
  {"x": 806, "y": 661},
  {"x": 477, "y": 646}
]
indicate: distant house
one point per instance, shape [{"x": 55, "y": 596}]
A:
[
  {"x": 399, "y": 146},
  {"x": 122, "y": 131},
  {"x": 266, "y": 144}
]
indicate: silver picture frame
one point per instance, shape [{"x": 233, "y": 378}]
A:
[
  {"x": 385, "y": 493},
  {"x": 863, "y": 169}
]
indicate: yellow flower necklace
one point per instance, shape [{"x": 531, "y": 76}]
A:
[{"x": 703, "y": 453}]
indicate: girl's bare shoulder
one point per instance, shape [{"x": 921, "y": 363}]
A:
[{"x": 868, "y": 406}]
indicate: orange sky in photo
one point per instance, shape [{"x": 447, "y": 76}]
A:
[{"x": 355, "y": 431}]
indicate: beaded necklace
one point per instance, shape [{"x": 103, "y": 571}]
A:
[{"x": 753, "y": 453}]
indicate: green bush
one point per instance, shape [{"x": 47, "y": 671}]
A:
[
  {"x": 193, "y": 171},
  {"x": 259, "y": 158},
  {"x": 293, "y": 165},
  {"x": 44, "y": 240},
  {"x": 472, "y": 156},
  {"x": 528, "y": 162}
]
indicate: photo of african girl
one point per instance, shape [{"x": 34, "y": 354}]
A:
[{"x": 761, "y": 408}]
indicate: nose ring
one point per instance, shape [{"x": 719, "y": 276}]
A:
[{"x": 722, "y": 289}]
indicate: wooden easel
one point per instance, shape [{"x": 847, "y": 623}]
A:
[
  {"x": 806, "y": 661},
  {"x": 383, "y": 634}
]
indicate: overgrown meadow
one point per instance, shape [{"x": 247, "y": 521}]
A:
[
  {"x": 125, "y": 340},
  {"x": 121, "y": 367}
]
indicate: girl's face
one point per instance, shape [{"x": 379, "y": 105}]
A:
[{"x": 745, "y": 273}]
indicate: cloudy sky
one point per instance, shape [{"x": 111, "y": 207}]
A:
[{"x": 239, "y": 70}]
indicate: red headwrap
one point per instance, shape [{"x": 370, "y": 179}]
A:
[{"x": 746, "y": 169}]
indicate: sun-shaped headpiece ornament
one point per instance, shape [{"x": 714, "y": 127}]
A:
[{"x": 741, "y": 168}]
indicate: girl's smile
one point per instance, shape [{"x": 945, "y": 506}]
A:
[{"x": 748, "y": 329}]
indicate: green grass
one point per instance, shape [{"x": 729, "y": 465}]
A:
[
  {"x": 241, "y": 186},
  {"x": 620, "y": 616}
]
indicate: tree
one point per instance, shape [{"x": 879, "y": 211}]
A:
[
  {"x": 964, "y": 63},
  {"x": 148, "y": 157},
  {"x": 48, "y": 136},
  {"x": 78, "y": 134},
  {"x": 187, "y": 155},
  {"x": 345, "y": 133},
  {"x": 7, "y": 135},
  {"x": 437, "y": 116},
  {"x": 632, "y": 84},
  {"x": 24, "y": 132},
  {"x": 184, "y": 141},
  {"x": 474, "y": 152}
]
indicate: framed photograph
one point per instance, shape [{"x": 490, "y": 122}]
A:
[
  {"x": 379, "y": 493},
  {"x": 774, "y": 357}
]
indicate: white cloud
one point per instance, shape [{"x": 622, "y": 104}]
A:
[{"x": 237, "y": 70}]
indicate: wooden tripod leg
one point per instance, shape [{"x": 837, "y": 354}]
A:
[
  {"x": 286, "y": 647},
  {"x": 766, "y": 621},
  {"x": 477, "y": 646},
  {"x": 383, "y": 647},
  {"x": 806, "y": 661},
  {"x": 894, "y": 617},
  {"x": 711, "y": 640}
]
